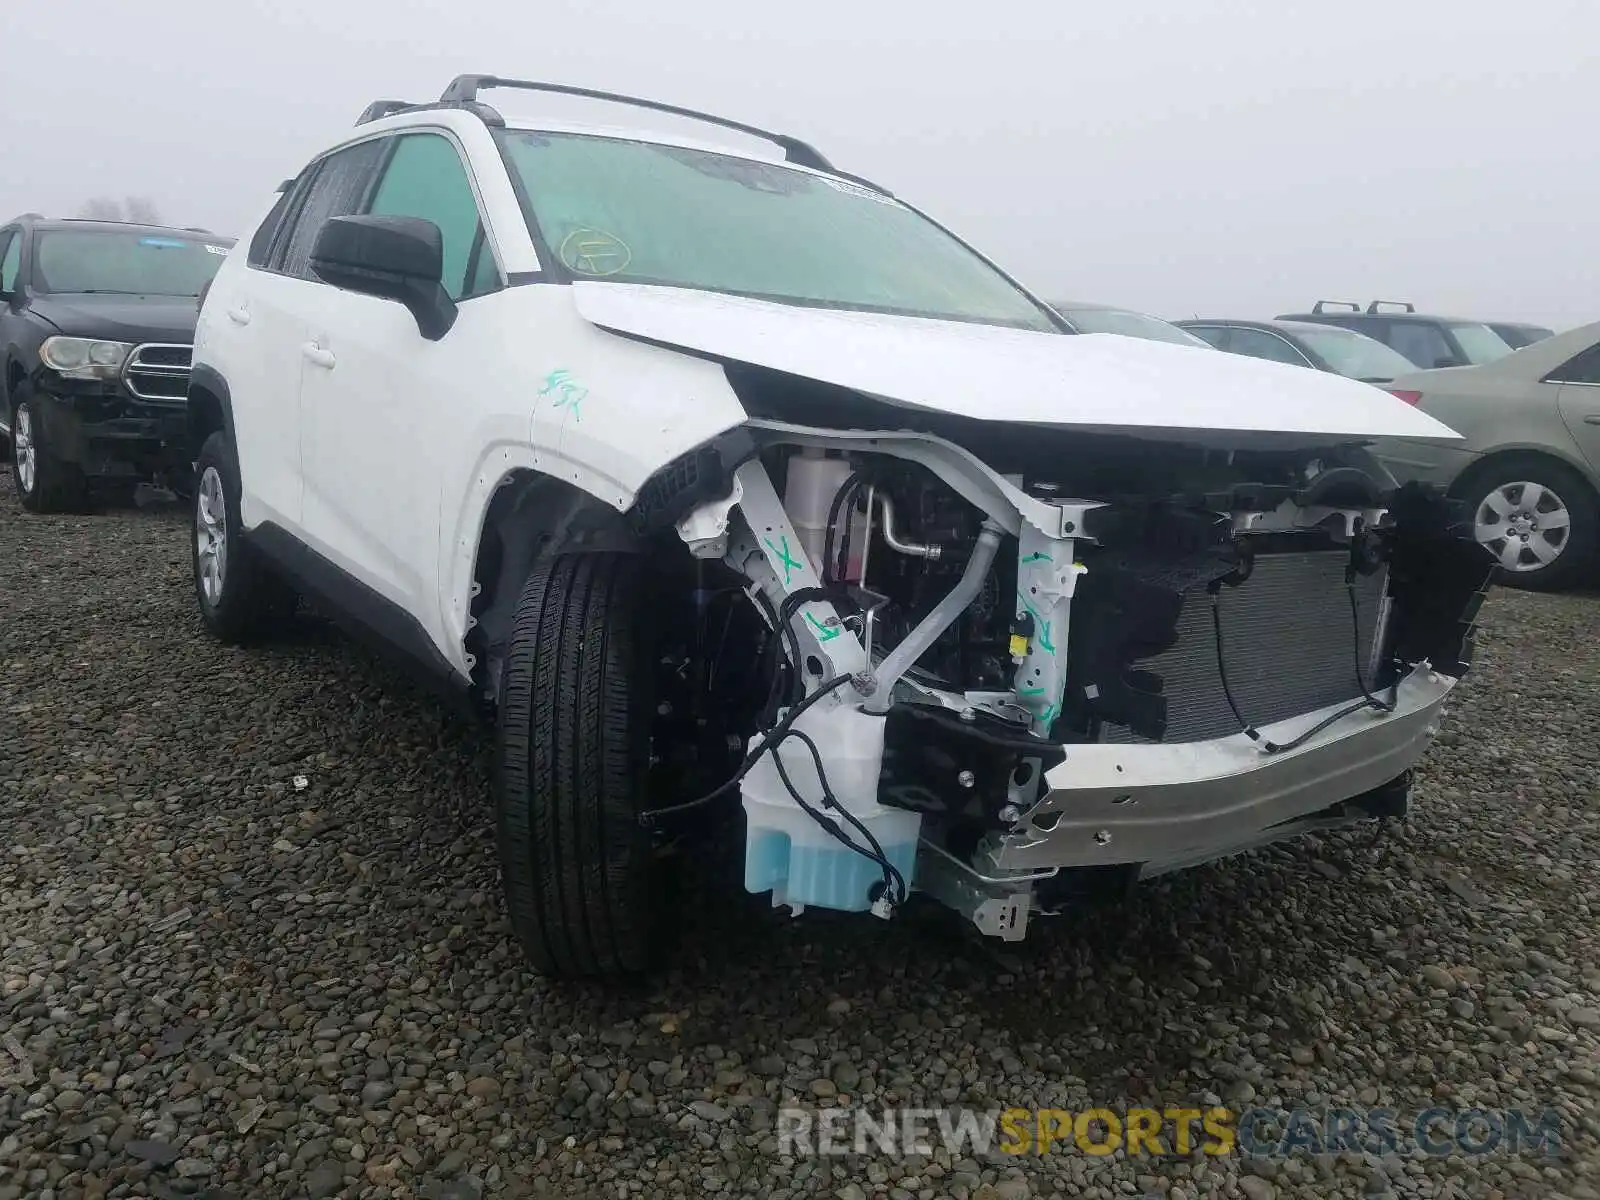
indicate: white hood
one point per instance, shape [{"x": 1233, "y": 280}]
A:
[{"x": 1097, "y": 381}]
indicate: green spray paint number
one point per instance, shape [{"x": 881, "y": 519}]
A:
[{"x": 567, "y": 393}]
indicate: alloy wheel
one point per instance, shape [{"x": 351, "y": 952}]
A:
[
  {"x": 27, "y": 454},
  {"x": 211, "y": 535}
]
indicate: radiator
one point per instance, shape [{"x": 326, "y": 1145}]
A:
[{"x": 1289, "y": 643}]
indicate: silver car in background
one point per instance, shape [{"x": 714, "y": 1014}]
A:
[
  {"x": 1530, "y": 464},
  {"x": 1102, "y": 318}
]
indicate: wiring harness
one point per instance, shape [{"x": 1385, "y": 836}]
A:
[{"x": 1362, "y": 559}]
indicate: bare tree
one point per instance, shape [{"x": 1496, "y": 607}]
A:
[
  {"x": 141, "y": 209},
  {"x": 101, "y": 208}
]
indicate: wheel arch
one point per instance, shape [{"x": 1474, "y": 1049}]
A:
[
  {"x": 210, "y": 407},
  {"x": 15, "y": 373},
  {"x": 1462, "y": 486},
  {"x": 530, "y": 515}
]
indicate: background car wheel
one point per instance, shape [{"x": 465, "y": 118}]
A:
[
  {"x": 241, "y": 598},
  {"x": 44, "y": 485},
  {"x": 573, "y": 764},
  {"x": 1539, "y": 519}
]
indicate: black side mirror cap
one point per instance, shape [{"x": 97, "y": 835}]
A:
[{"x": 390, "y": 257}]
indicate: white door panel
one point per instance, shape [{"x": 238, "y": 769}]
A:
[
  {"x": 364, "y": 438},
  {"x": 252, "y": 336}
]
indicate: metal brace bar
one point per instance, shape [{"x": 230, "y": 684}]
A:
[{"x": 768, "y": 551}]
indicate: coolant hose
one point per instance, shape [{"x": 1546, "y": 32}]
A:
[{"x": 904, "y": 656}]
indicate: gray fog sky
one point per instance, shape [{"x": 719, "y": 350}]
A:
[{"x": 1228, "y": 158}]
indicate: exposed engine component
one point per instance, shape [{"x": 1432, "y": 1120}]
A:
[{"x": 972, "y": 678}]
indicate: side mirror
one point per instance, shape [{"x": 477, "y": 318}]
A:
[{"x": 393, "y": 258}]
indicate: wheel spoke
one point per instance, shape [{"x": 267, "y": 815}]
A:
[
  {"x": 1532, "y": 494},
  {"x": 1559, "y": 519},
  {"x": 1497, "y": 503},
  {"x": 1511, "y": 555},
  {"x": 1543, "y": 549}
]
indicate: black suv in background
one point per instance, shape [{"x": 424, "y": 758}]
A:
[
  {"x": 1427, "y": 341},
  {"x": 1518, "y": 334},
  {"x": 96, "y": 329}
]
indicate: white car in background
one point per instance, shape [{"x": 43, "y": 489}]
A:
[{"x": 1529, "y": 465}]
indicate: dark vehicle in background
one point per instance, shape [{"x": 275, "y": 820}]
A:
[
  {"x": 1099, "y": 318},
  {"x": 1426, "y": 341},
  {"x": 1303, "y": 344},
  {"x": 1517, "y": 335},
  {"x": 96, "y": 329}
]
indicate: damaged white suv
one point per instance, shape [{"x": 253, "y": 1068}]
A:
[{"x": 730, "y": 486}]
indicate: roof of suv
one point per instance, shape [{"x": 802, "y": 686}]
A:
[
  {"x": 37, "y": 222},
  {"x": 461, "y": 97},
  {"x": 1320, "y": 316}
]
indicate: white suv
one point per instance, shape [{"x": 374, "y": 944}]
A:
[{"x": 729, "y": 485}]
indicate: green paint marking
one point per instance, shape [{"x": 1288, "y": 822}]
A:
[
  {"x": 1049, "y": 713},
  {"x": 825, "y": 633},
  {"x": 791, "y": 564},
  {"x": 568, "y": 394},
  {"x": 1037, "y": 556},
  {"x": 1045, "y": 643}
]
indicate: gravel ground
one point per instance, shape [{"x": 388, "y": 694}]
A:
[{"x": 251, "y": 945}]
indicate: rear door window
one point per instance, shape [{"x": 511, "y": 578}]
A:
[
  {"x": 1423, "y": 344},
  {"x": 336, "y": 188},
  {"x": 1258, "y": 343},
  {"x": 1216, "y": 335},
  {"x": 1583, "y": 368}
]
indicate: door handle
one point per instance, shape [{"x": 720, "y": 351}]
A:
[
  {"x": 1592, "y": 419},
  {"x": 239, "y": 316},
  {"x": 318, "y": 356}
]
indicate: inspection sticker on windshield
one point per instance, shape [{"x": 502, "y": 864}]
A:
[{"x": 210, "y": 249}]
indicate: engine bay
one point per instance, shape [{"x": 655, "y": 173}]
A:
[{"x": 947, "y": 626}]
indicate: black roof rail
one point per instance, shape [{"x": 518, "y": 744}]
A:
[
  {"x": 1322, "y": 305},
  {"x": 1403, "y": 305},
  {"x": 388, "y": 108},
  {"x": 382, "y": 108},
  {"x": 464, "y": 89}
]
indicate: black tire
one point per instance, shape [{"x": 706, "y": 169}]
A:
[
  {"x": 53, "y": 486},
  {"x": 573, "y": 762},
  {"x": 251, "y": 602},
  {"x": 1580, "y": 545}
]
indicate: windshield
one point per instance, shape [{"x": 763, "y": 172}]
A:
[
  {"x": 1480, "y": 343},
  {"x": 1355, "y": 354},
  {"x": 1129, "y": 324},
  {"x": 638, "y": 212},
  {"x": 131, "y": 262}
]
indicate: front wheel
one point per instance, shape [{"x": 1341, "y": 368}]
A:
[
  {"x": 573, "y": 763},
  {"x": 241, "y": 598},
  {"x": 1539, "y": 519},
  {"x": 44, "y": 484}
]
